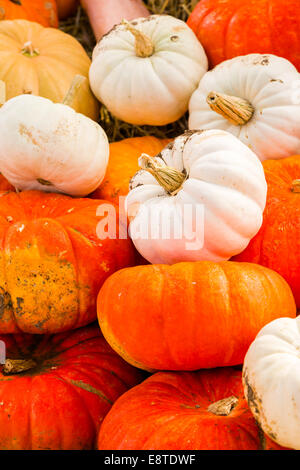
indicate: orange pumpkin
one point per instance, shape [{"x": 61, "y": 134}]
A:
[
  {"x": 52, "y": 261},
  {"x": 277, "y": 244},
  {"x": 190, "y": 315},
  {"x": 203, "y": 410},
  {"x": 40, "y": 11},
  {"x": 232, "y": 28},
  {"x": 123, "y": 164},
  {"x": 66, "y": 8},
  {"x": 55, "y": 390}
]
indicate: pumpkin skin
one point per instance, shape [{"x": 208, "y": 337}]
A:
[
  {"x": 231, "y": 28},
  {"x": 66, "y": 8},
  {"x": 169, "y": 411},
  {"x": 52, "y": 263},
  {"x": 44, "y": 61},
  {"x": 123, "y": 164},
  {"x": 65, "y": 396},
  {"x": 190, "y": 315},
  {"x": 160, "y": 76},
  {"x": 43, "y": 12},
  {"x": 259, "y": 102},
  {"x": 277, "y": 244},
  {"x": 49, "y": 147},
  {"x": 271, "y": 380},
  {"x": 212, "y": 208},
  {"x": 104, "y": 15}
]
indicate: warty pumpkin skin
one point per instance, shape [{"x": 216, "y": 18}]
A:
[
  {"x": 43, "y": 12},
  {"x": 44, "y": 61},
  {"x": 231, "y": 28},
  {"x": 52, "y": 263},
  {"x": 277, "y": 244},
  {"x": 123, "y": 164},
  {"x": 178, "y": 411},
  {"x": 60, "y": 400},
  {"x": 190, "y": 315}
]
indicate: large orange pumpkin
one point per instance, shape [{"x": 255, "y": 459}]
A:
[
  {"x": 41, "y": 11},
  {"x": 190, "y": 315},
  {"x": 56, "y": 390},
  {"x": 52, "y": 262},
  {"x": 231, "y": 28},
  {"x": 277, "y": 244},
  {"x": 203, "y": 410},
  {"x": 123, "y": 165},
  {"x": 44, "y": 61}
]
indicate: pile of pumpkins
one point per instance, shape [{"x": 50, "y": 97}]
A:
[{"x": 199, "y": 340}]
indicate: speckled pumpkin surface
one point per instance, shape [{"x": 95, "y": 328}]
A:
[{"x": 52, "y": 263}]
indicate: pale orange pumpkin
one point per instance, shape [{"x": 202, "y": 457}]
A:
[{"x": 43, "y": 61}]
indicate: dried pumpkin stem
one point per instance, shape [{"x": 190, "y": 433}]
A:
[
  {"x": 29, "y": 50},
  {"x": 236, "y": 110},
  {"x": 71, "y": 95},
  {"x": 16, "y": 366},
  {"x": 223, "y": 407},
  {"x": 296, "y": 186},
  {"x": 169, "y": 178},
  {"x": 143, "y": 45}
]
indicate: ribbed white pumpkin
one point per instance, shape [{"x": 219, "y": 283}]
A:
[
  {"x": 212, "y": 172},
  {"x": 256, "y": 98},
  {"x": 145, "y": 71},
  {"x": 48, "y": 146},
  {"x": 271, "y": 377}
]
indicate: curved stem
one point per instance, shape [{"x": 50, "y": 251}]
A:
[
  {"x": 169, "y": 178},
  {"x": 76, "y": 84},
  {"x": 143, "y": 44},
  {"x": 16, "y": 366},
  {"x": 223, "y": 407},
  {"x": 296, "y": 186},
  {"x": 29, "y": 50},
  {"x": 236, "y": 110}
]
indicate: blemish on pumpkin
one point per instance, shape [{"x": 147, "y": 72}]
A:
[
  {"x": 89, "y": 388},
  {"x": 5, "y": 301},
  {"x": 174, "y": 38}
]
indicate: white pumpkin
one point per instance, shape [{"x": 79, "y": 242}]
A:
[
  {"x": 146, "y": 70},
  {"x": 48, "y": 146},
  {"x": 271, "y": 377},
  {"x": 201, "y": 198},
  {"x": 256, "y": 98}
]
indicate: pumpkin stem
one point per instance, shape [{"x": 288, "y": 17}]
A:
[
  {"x": 169, "y": 178},
  {"x": 223, "y": 407},
  {"x": 29, "y": 50},
  {"x": 143, "y": 44},
  {"x": 296, "y": 186},
  {"x": 76, "y": 84},
  {"x": 16, "y": 366},
  {"x": 238, "y": 111}
]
